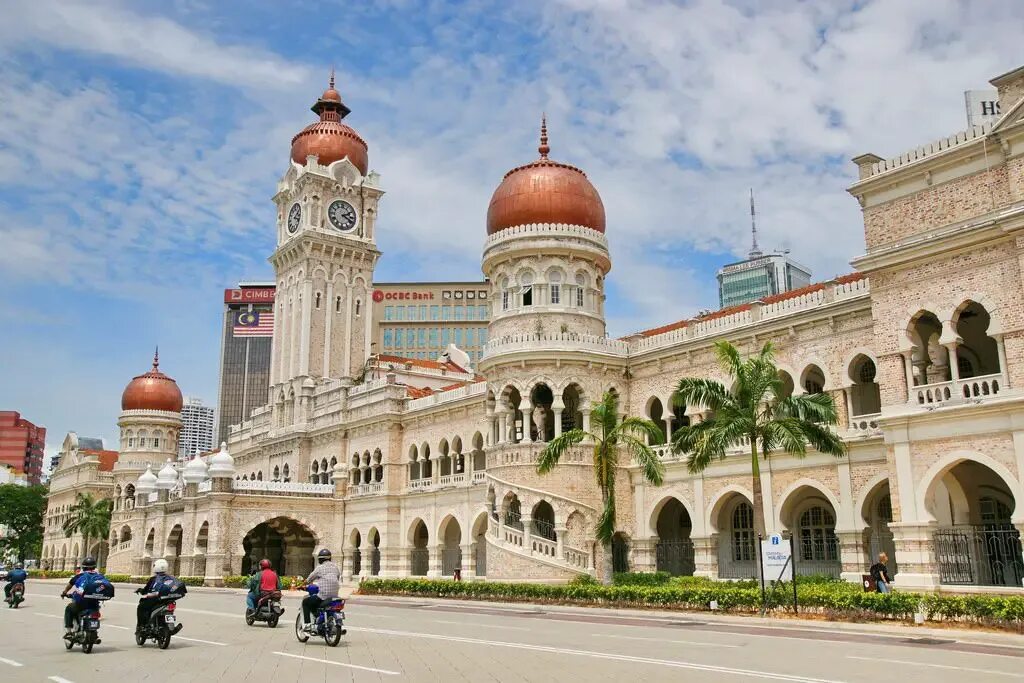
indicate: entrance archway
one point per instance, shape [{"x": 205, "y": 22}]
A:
[
  {"x": 480, "y": 543},
  {"x": 451, "y": 549},
  {"x": 357, "y": 554},
  {"x": 285, "y": 542},
  {"x": 419, "y": 553},
  {"x": 172, "y": 551},
  {"x": 620, "y": 553},
  {"x": 374, "y": 548},
  {"x": 674, "y": 548},
  {"x": 737, "y": 546}
]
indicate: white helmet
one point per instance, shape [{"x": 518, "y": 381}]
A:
[{"x": 160, "y": 567}]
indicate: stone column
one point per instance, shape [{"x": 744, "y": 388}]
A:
[
  {"x": 705, "y": 556},
  {"x": 527, "y": 532},
  {"x": 346, "y": 566},
  {"x": 560, "y": 532},
  {"x": 915, "y": 551},
  {"x": 1005, "y": 371},
  {"x": 527, "y": 410},
  {"x": 908, "y": 367},
  {"x": 557, "y": 406},
  {"x": 503, "y": 426},
  {"x": 954, "y": 369},
  {"x": 328, "y": 317},
  {"x": 851, "y": 553},
  {"x": 669, "y": 419},
  {"x": 434, "y": 565},
  {"x": 468, "y": 563},
  {"x": 586, "y": 422}
]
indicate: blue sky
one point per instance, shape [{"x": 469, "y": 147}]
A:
[{"x": 140, "y": 143}]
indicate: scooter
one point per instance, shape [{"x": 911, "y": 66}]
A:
[
  {"x": 162, "y": 624},
  {"x": 17, "y": 595},
  {"x": 268, "y": 609},
  {"x": 86, "y": 631},
  {"x": 329, "y": 622}
]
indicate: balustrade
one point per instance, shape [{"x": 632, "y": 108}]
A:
[
  {"x": 367, "y": 489},
  {"x": 419, "y": 484},
  {"x": 284, "y": 487},
  {"x": 479, "y": 477},
  {"x": 577, "y": 558},
  {"x": 956, "y": 391},
  {"x": 542, "y": 546}
]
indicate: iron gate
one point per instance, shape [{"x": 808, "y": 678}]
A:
[
  {"x": 983, "y": 555},
  {"x": 676, "y": 558},
  {"x": 419, "y": 561}
]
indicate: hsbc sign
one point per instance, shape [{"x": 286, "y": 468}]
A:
[{"x": 249, "y": 295}]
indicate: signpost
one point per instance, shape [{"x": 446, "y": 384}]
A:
[{"x": 778, "y": 562}]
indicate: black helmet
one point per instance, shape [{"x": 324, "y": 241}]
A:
[
  {"x": 89, "y": 563},
  {"x": 324, "y": 555}
]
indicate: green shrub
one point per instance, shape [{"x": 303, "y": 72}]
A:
[
  {"x": 236, "y": 581},
  {"x": 192, "y": 580},
  {"x": 50, "y": 574},
  {"x": 119, "y": 578},
  {"x": 641, "y": 578},
  {"x": 583, "y": 580}
]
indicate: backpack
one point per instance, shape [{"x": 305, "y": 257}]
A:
[
  {"x": 97, "y": 587},
  {"x": 170, "y": 587}
]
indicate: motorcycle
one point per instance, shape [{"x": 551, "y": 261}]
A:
[
  {"x": 17, "y": 596},
  {"x": 162, "y": 624},
  {"x": 268, "y": 609},
  {"x": 86, "y": 631},
  {"x": 329, "y": 623}
]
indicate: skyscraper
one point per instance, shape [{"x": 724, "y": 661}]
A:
[
  {"x": 197, "y": 423},
  {"x": 21, "y": 445},
  {"x": 245, "y": 353}
]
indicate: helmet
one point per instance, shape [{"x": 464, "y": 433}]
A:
[
  {"x": 160, "y": 567},
  {"x": 19, "y": 565},
  {"x": 264, "y": 564},
  {"x": 324, "y": 555},
  {"x": 89, "y": 563}
]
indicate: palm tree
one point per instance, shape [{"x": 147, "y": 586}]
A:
[
  {"x": 756, "y": 412},
  {"x": 89, "y": 517},
  {"x": 607, "y": 435}
]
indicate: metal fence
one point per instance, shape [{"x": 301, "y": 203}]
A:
[
  {"x": 818, "y": 554},
  {"x": 980, "y": 555},
  {"x": 419, "y": 561},
  {"x": 375, "y": 562},
  {"x": 357, "y": 562},
  {"x": 737, "y": 560},
  {"x": 513, "y": 519},
  {"x": 676, "y": 557},
  {"x": 481, "y": 556},
  {"x": 451, "y": 559},
  {"x": 620, "y": 554},
  {"x": 544, "y": 529}
]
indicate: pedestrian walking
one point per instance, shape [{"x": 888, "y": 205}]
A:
[{"x": 880, "y": 573}]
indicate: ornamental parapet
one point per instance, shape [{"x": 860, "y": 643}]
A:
[
  {"x": 450, "y": 396},
  {"x": 564, "y": 341},
  {"x": 556, "y": 230}
]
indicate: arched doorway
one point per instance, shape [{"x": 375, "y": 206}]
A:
[
  {"x": 480, "y": 544},
  {"x": 975, "y": 543},
  {"x": 357, "y": 553},
  {"x": 674, "y": 548},
  {"x": 811, "y": 519},
  {"x": 656, "y": 414},
  {"x": 202, "y": 545},
  {"x": 419, "y": 553},
  {"x": 374, "y": 548},
  {"x": 451, "y": 549},
  {"x": 620, "y": 553},
  {"x": 737, "y": 542},
  {"x": 285, "y": 542},
  {"x": 879, "y": 539},
  {"x": 172, "y": 551}
]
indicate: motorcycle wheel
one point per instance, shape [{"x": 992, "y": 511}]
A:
[
  {"x": 90, "y": 639},
  {"x": 272, "y": 621},
  {"x": 300, "y": 635},
  {"x": 140, "y": 639},
  {"x": 164, "y": 639},
  {"x": 14, "y": 605},
  {"x": 250, "y": 617},
  {"x": 69, "y": 643},
  {"x": 332, "y": 633}
]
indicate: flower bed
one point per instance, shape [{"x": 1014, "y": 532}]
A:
[{"x": 834, "y": 599}]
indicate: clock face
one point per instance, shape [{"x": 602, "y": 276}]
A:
[
  {"x": 342, "y": 215},
  {"x": 294, "y": 216}
]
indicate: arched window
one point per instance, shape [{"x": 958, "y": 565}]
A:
[
  {"x": 817, "y": 535},
  {"x": 337, "y": 304},
  {"x": 504, "y": 294},
  {"x": 743, "y": 533},
  {"x": 286, "y": 472},
  {"x": 555, "y": 287},
  {"x": 526, "y": 289},
  {"x": 581, "y": 287},
  {"x": 317, "y": 303},
  {"x": 277, "y": 473},
  {"x": 359, "y": 306}
]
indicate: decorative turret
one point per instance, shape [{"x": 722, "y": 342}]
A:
[
  {"x": 150, "y": 417},
  {"x": 196, "y": 471},
  {"x": 167, "y": 479},
  {"x": 222, "y": 465}
]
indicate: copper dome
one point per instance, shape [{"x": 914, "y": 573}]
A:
[
  {"x": 545, "y": 191},
  {"x": 152, "y": 391},
  {"x": 330, "y": 139}
]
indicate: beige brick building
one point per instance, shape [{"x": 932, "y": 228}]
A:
[{"x": 421, "y": 467}]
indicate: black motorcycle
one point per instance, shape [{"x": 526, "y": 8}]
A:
[
  {"x": 268, "y": 609},
  {"x": 162, "y": 623},
  {"x": 86, "y": 631},
  {"x": 17, "y": 595}
]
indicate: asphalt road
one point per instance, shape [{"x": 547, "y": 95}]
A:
[{"x": 429, "y": 640}]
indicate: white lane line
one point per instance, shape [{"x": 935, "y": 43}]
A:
[
  {"x": 603, "y": 655},
  {"x": 666, "y": 640},
  {"x": 9, "y": 662},
  {"x": 476, "y": 625},
  {"x": 939, "y": 666},
  {"x": 58, "y": 679},
  {"x": 199, "y": 640},
  {"x": 349, "y": 666},
  {"x": 129, "y": 628}
]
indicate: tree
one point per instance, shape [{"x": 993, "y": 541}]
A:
[
  {"x": 633, "y": 434},
  {"x": 22, "y": 509},
  {"x": 89, "y": 517},
  {"x": 754, "y": 412}
]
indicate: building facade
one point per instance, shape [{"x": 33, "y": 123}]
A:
[
  {"x": 759, "y": 276},
  {"x": 22, "y": 445},
  {"x": 197, "y": 425},
  {"x": 248, "y": 328},
  {"x": 421, "y": 319},
  {"x": 416, "y": 467}
]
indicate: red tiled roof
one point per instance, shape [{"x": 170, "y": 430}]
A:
[
  {"x": 107, "y": 458},
  {"x": 417, "y": 392},
  {"x": 416, "y": 362},
  {"x": 774, "y": 298}
]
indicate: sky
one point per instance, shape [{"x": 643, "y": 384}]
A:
[{"x": 141, "y": 142}]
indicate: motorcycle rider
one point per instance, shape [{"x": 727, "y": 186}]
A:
[
  {"x": 16, "y": 575},
  {"x": 327, "y": 576},
  {"x": 151, "y": 597},
  {"x": 79, "y": 603},
  {"x": 265, "y": 580}
]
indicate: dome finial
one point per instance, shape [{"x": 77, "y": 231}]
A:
[
  {"x": 156, "y": 358},
  {"x": 331, "y": 86},
  {"x": 543, "y": 149}
]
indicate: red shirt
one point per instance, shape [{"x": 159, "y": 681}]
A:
[{"x": 268, "y": 580}]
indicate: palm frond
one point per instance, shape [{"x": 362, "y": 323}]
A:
[
  {"x": 697, "y": 391},
  {"x": 728, "y": 357},
  {"x": 557, "y": 447},
  {"x": 818, "y": 408},
  {"x": 824, "y": 439},
  {"x": 644, "y": 456},
  {"x": 786, "y": 433}
]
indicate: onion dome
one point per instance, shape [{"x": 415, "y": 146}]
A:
[
  {"x": 222, "y": 465},
  {"x": 330, "y": 139},
  {"x": 545, "y": 191},
  {"x": 146, "y": 482},
  {"x": 168, "y": 476},
  {"x": 152, "y": 391},
  {"x": 195, "y": 471}
]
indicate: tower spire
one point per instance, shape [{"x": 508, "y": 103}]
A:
[
  {"x": 543, "y": 149},
  {"x": 156, "y": 358},
  {"x": 332, "y": 78},
  {"x": 755, "y": 251}
]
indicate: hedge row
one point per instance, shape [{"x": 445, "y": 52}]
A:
[
  {"x": 837, "y": 599},
  {"x": 114, "y": 578}
]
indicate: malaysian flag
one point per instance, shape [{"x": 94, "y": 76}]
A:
[{"x": 254, "y": 324}]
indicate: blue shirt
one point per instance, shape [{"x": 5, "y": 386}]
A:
[
  {"x": 78, "y": 585},
  {"x": 17, "y": 576}
]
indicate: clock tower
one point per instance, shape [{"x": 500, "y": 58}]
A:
[{"x": 326, "y": 217}]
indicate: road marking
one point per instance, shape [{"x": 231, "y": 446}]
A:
[
  {"x": 602, "y": 655},
  {"x": 474, "y": 625},
  {"x": 129, "y": 628},
  {"x": 200, "y": 640},
  {"x": 58, "y": 679},
  {"x": 938, "y": 666},
  {"x": 10, "y": 662},
  {"x": 666, "y": 640},
  {"x": 350, "y": 666}
]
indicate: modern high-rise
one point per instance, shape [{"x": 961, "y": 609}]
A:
[
  {"x": 760, "y": 274},
  {"x": 22, "y": 445},
  {"x": 248, "y": 328},
  {"x": 197, "y": 424},
  {"x": 419, "y": 320}
]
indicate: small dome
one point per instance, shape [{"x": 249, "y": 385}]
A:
[
  {"x": 222, "y": 465},
  {"x": 146, "y": 482},
  {"x": 152, "y": 391},
  {"x": 195, "y": 471},
  {"x": 545, "y": 191},
  {"x": 168, "y": 476},
  {"x": 330, "y": 139}
]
